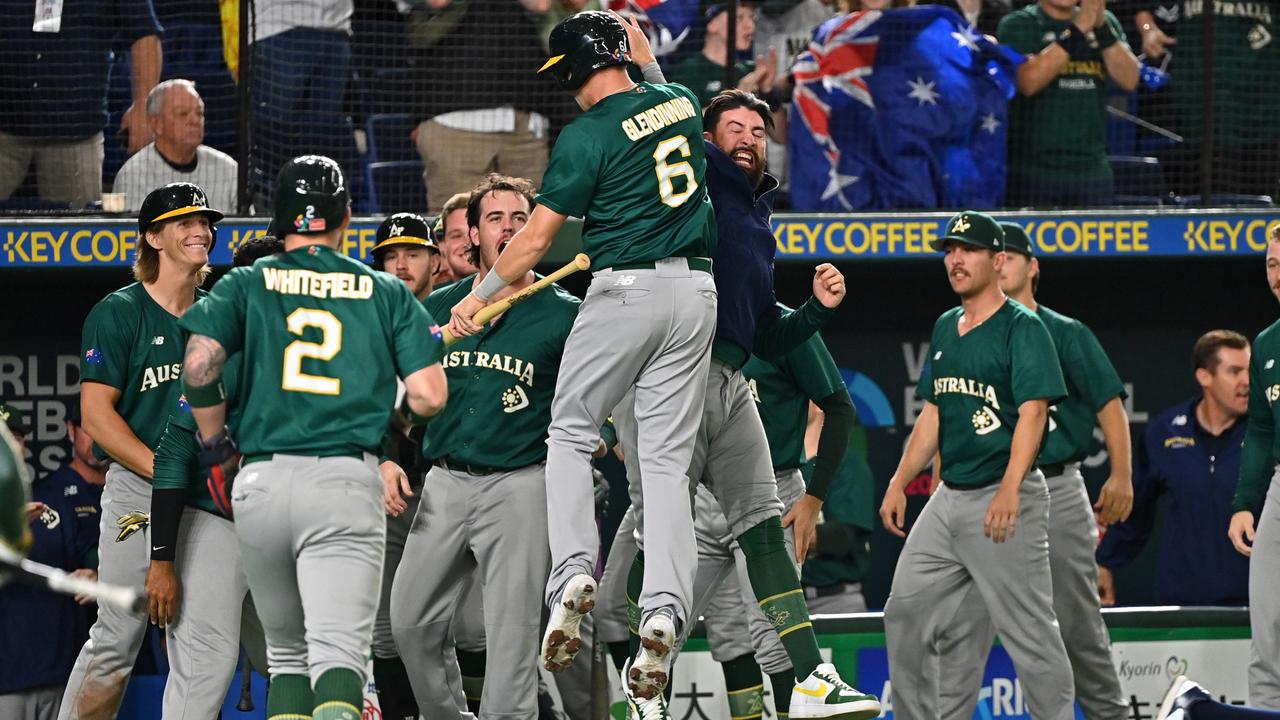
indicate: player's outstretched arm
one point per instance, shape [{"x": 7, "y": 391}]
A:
[
  {"x": 526, "y": 249},
  {"x": 109, "y": 429},
  {"x": 426, "y": 390},
  {"x": 921, "y": 447},
  {"x": 201, "y": 372}
]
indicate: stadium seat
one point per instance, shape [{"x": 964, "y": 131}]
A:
[
  {"x": 388, "y": 138},
  {"x": 397, "y": 186},
  {"x": 1228, "y": 200},
  {"x": 1137, "y": 177}
]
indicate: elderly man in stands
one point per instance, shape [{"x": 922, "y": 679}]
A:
[{"x": 176, "y": 114}]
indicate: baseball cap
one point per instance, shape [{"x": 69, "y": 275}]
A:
[
  {"x": 715, "y": 9},
  {"x": 1017, "y": 239},
  {"x": 13, "y": 420},
  {"x": 974, "y": 229}
]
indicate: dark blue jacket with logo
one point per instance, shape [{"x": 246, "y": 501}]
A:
[
  {"x": 1196, "y": 472},
  {"x": 41, "y": 631}
]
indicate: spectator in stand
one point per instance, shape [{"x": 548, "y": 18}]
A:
[
  {"x": 481, "y": 106},
  {"x": 1190, "y": 453},
  {"x": 1057, "y": 148},
  {"x": 1245, "y": 63},
  {"x": 40, "y": 630},
  {"x": 983, "y": 15},
  {"x": 53, "y": 90},
  {"x": 176, "y": 114},
  {"x": 453, "y": 240},
  {"x": 704, "y": 73},
  {"x": 301, "y": 67}
]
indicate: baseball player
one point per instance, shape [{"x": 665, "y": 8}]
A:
[
  {"x": 130, "y": 359},
  {"x": 633, "y": 167},
  {"x": 730, "y": 452},
  {"x": 405, "y": 247},
  {"x": 991, "y": 378},
  {"x": 1255, "y": 500},
  {"x": 1094, "y": 392},
  {"x": 15, "y": 532},
  {"x": 328, "y": 336},
  {"x": 482, "y": 516},
  {"x": 195, "y": 583}
]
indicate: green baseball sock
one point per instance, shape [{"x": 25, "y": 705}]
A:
[
  {"x": 635, "y": 583},
  {"x": 777, "y": 589},
  {"x": 783, "y": 684},
  {"x": 289, "y": 698},
  {"x": 339, "y": 695},
  {"x": 746, "y": 692},
  {"x": 471, "y": 664}
]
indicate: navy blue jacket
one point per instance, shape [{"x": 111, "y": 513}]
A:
[
  {"x": 744, "y": 267},
  {"x": 1195, "y": 564},
  {"x": 41, "y": 631}
]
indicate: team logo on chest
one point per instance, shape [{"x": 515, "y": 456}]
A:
[
  {"x": 985, "y": 421},
  {"x": 514, "y": 399}
]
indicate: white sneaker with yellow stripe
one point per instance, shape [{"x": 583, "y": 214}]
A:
[{"x": 824, "y": 695}]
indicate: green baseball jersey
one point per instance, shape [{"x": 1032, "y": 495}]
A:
[
  {"x": 328, "y": 336},
  {"x": 501, "y": 381},
  {"x": 850, "y": 501},
  {"x": 15, "y": 491},
  {"x": 132, "y": 344},
  {"x": 1246, "y": 53},
  {"x": 706, "y": 78},
  {"x": 782, "y": 391},
  {"x": 978, "y": 383},
  {"x": 1261, "y": 441},
  {"x": 1059, "y": 131},
  {"x": 633, "y": 168},
  {"x": 176, "y": 464},
  {"x": 1092, "y": 382}
]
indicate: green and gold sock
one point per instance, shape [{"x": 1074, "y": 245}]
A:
[
  {"x": 339, "y": 695},
  {"x": 783, "y": 684},
  {"x": 745, "y": 691},
  {"x": 777, "y": 589},
  {"x": 472, "y": 665},
  {"x": 290, "y": 698}
]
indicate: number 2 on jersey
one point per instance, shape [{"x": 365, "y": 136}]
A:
[
  {"x": 668, "y": 170},
  {"x": 329, "y": 346}
]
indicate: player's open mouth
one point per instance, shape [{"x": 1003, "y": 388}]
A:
[{"x": 503, "y": 245}]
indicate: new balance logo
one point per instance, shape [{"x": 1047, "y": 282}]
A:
[{"x": 157, "y": 340}]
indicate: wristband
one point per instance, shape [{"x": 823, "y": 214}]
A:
[
  {"x": 1106, "y": 36},
  {"x": 217, "y": 449},
  {"x": 1071, "y": 40},
  {"x": 205, "y": 395},
  {"x": 491, "y": 285}
]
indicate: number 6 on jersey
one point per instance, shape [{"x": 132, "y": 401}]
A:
[{"x": 668, "y": 170}]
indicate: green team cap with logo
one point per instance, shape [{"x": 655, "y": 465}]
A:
[
  {"x": 1017, "y": 239},
  {"x": 972, "y": 228}
]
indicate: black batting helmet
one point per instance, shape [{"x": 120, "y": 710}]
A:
[
  {"x": 311, "y": 196},
  {"x": 403, "y": 229},
  {"x": 583, "y": 43},
  {"x": 173, "y": 201}
]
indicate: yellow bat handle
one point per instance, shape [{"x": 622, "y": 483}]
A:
[{"x": 489, "y": 312}]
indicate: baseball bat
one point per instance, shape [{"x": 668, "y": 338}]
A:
[
  {"x": 489, "y": 312},
  {"x": 32, "y": 572}
]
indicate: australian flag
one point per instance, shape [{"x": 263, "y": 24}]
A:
[
  {"x": 666, "y": 22},
  {"x": 900, "y": 108}
]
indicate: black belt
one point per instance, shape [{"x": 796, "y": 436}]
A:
[
  {"x": 1053, "y": 470},
  {"x": 829, "y": 590},
  {"x": 469, "y": 468},
  {"x": 695, "y": 263},
  {"x": 1049, "y": 471},
  {"x": 270, "y": 456},
  {"x": 966, "y": 488}
]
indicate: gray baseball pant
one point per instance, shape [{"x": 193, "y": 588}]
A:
[
  {"x": 491, "y": 528},
  {"x": 384, "y": 644},
  {"x": 946, "y": 559},
  {"x": 650, "y": 330},
  {"x": 1264, "y": 604},
  {"x": 1073, "y": 537},
  {"x": 32, "y": 704},
  {"x": 312, "y": 533}
]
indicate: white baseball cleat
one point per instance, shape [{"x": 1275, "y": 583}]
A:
[
  {"x": 824, "y": 695},
  {"x": 561, "y": 642},
  {"x": 654, "y": 708},
  {"x": 648, "y": 674},
  {"x": 1180, "y": 695}
]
